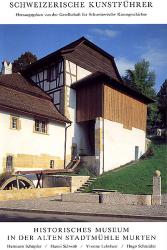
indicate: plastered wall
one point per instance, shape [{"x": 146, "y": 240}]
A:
[
  {"x": 30, "y": 149},
  {"x": 119, "y": 144}
]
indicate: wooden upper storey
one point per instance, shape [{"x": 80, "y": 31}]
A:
[
  {"x": 122, "y": 108},
  {"x": 100, "y": 96},
  {"x": 101, "y": 93},
  {"x": 93, "y": 60}
]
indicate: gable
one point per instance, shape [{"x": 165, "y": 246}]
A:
[
  {"x": 83, "y": 53},
  {"x": 92, "y": 60}
]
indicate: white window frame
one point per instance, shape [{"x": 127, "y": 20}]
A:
[{"x": 40, "y": 126}]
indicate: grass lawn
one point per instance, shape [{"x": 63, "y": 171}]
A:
[{"x": 136, "y": 178}]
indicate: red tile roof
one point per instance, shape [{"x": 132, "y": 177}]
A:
[
  {"x": 20, "y": 95},
  {"x": 20, "y": 83}
]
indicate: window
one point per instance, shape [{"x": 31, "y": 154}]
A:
[
  {"x": 52, "y": 163},
  {"x": 55, "y": 75},
  {"x": 9, "y": 163},
  {"x": 41, "y": 126},
  {"x": 15, "y": 122}
]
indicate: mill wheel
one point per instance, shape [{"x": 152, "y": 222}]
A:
[{"x": 16, "y": 182}]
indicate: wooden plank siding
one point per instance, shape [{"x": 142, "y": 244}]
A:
[
  {"x": 92, "y": 60},
  {"x": 89, "y": 102},
  {"x": 121, "y": 108}
]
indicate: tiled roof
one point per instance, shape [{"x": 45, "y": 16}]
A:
[
  {"x": 20, "y": 95},
  {"x": 20, "y": 83}
]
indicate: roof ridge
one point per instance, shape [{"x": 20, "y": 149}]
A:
[{"x": 70, "y": 47}]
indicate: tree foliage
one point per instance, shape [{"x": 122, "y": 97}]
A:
[
  {"x": 23, "y": 61},
  {"x": 162, "y": 104},
  {"x": 143, "y": 80}
]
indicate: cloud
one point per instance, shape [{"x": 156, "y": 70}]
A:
[
  {"x": 155, "y": 51},
  {"x": 106, "y": 32},
  {"x": 156, "y": 56},
  {"x": 123, "y": 64}
]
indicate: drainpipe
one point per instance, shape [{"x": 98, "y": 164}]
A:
[
  {"x": 65, "y": 144},
  {"x": 103, "y": 121},
  {"x": 103, "y": 144}
]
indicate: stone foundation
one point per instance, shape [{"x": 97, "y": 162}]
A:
[
  {"x": 73, "y": 182},
  {"x": 35, "y": 193}
]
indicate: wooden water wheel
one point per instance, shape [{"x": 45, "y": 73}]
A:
[{"x": 16, "y": 182}]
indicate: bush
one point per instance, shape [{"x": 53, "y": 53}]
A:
[{"x": 149, "y": 153}]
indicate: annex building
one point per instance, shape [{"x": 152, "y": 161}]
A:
[{"x": 70, "y": 103}]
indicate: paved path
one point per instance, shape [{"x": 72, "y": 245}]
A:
[
  {"x": 11, "y": 216},
  {"x": 54, "y": 205}
]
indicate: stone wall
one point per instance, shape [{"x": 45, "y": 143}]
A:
[
  {"x": 90, "y": 163},
  {"x": 74, "y": 182},
  {"x": 110, "y": 198},
  {"x": 35, "y": 193},
  {"x": 116, "y": 198}
]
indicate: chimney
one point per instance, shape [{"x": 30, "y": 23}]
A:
[{"x": 6, "y": 68}]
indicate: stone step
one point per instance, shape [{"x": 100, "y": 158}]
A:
[
  {"x": 81, "y": 188},
  {"x": 89, "y": 181},
  {"x": 85, "y": 185}
]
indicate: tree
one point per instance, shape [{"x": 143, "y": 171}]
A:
[
  {"x": 143, "y": 80},
  {"x": 23, "y": 61},
  {"x": 162, "y": 104}
]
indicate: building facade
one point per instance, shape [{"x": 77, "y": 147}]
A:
[
  {"x": 32, "y": 130},
  {"x": 98, "y": 117},
  {"x": 108, "y": 118}
]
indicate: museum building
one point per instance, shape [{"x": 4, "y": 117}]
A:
[{"x": 72, "y": 103}]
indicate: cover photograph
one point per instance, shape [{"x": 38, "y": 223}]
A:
[{"x": 83, "y": 100}]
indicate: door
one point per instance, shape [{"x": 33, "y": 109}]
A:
[{"x": 136, "y": 153}]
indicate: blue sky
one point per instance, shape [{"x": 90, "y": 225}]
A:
[{"x": 127, "y": 43}]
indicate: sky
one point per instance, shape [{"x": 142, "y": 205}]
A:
[{"x": 128, "y": 43}]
